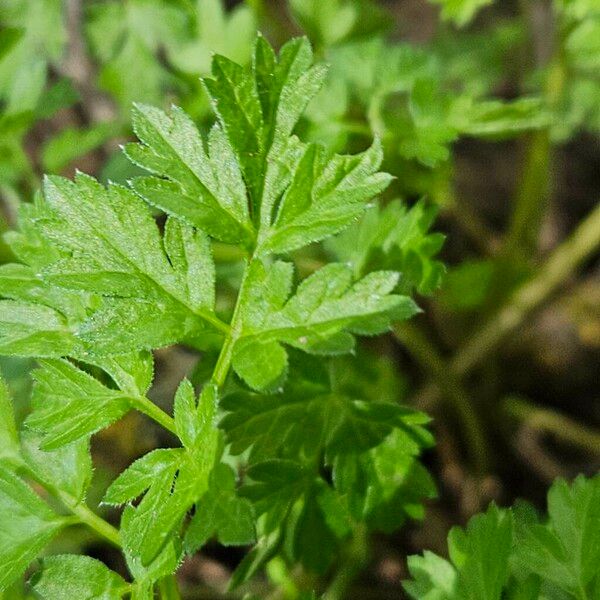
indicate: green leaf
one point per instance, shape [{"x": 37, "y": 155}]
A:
[
  {"x": 204, "y": 188},
  {"x": 460, "y": 12},
  {"x": 140, "y": 282},
  {"x": 434, "y": 578},
  {"x": 69, "y": 404},
  {"x": 221, "y": 513},
  {"x": 9, "y": 439},
  {"x": 174, "y": 479},
  {"x": 317, "y": 412},
  {"x": 396, "y": 238},
  {"x": 27, "y": 525},
  {"x": 255, "y": 184},
  {"x": 68, "y": 468},
  {"x": 324, "y": 196},
  {"x": 69, "y": 576},
  {"x": 566, "y": 551},
  {"x": 145, "y": 574},
  {"x": 314, "y": 318},
  {"x": 133, "y": 372},
  {"x": 480, "y": 555},
  {"x": 273, "y": 488},
  {"x": 33, "y": 330},
  {"x": 385, "y": 485},
  {"x": 142, "y": 474}
]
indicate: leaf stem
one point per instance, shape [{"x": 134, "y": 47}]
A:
[
  {"x": 88, "y": 517},
  {"x": 563, "y": 260},
  {"x": 78, "y": 508},
  {"x": 147, "y": 407},
  {"x": 550, "y": 421},
  {"x": 450, "y": 386},
  {"x": 355, "y": 561},
  {"x": 225, "y": 356}
]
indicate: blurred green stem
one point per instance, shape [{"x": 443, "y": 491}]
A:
[
  {"x": 533, "y": 193},
  {"x": 530, "y": 295},
  {"x": 168, "y": 588},
  {"x": 354, "y": 561},
  {"x": 450, "y": 387},
  {"x": 564, "y": 428}
]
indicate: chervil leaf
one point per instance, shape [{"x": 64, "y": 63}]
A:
[
  {"x": 174, "y": 480},
  {"x": 146, "y": 574},
  {"x": 480, "y": 557},
  {"x": 205, "y": 188},
  {"x": 27, "y": 525},
  {"x": 314, "y": 318},
  {"x": 315, "y": 413},
  {"x": 325, "y": 194},
  {"x": 386, "y": 484},
  {"x": 33, "y": 330},
  {"x": 68, "y": 468},
  {"x": 396, "y": 238},
  {"x": 566, "y": 551},
  {"x": 289, "y": 495},
  {"x": 69, "y": 404},
  {"x": 481, "y": 553},
  {"x": 69, "y": 576},
  {"x": 92, "y": 227},
  {"x": 255, "y": 184},
  {"x": 142, "y": 474},
  {"x": 274, "y": 486},
  {"x": 221, "y": 513},
  {"x": 434, "y": 577},
  {"x": 9, "y": 439}
]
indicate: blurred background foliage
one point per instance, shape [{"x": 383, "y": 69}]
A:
[{"x": 489, "y": 114}]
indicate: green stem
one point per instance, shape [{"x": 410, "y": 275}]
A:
[
  {"x": 168, "y": 588},
  {"x": 531, "y": 197},
  {"x": 533, "y": 192},
  {"x": 224, "y": 360},
  {"x": 357, "y": 556},
  {"x": 147, "y": 407},
  {"x": 88, "y": 517},
  {"x": 82, "y": 512},
  {"x": 529, "y": 296},
  {"x": 547, "y": 420},
  {"x": 450, "y": 387}
]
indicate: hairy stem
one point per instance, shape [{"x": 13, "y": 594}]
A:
[
  {"x": 147, "y": 407},
  {"x": 224, "y": 361},
  {"x": 449, "y": 385},
  {"x": 565, "y": 258},
  {"x": 549, "y": 421},
  {"x": 88, "y": 517},
  {"x": 83, "y": 513}
]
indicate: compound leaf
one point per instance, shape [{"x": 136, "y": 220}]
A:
[
  {"x": 314, "y": 318},
  {"x": 69, "y": 404},
  {"x": 27, "y": 525},
  {"x": 221, "y": 513},
  {"x": 69, "y": 576}
]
